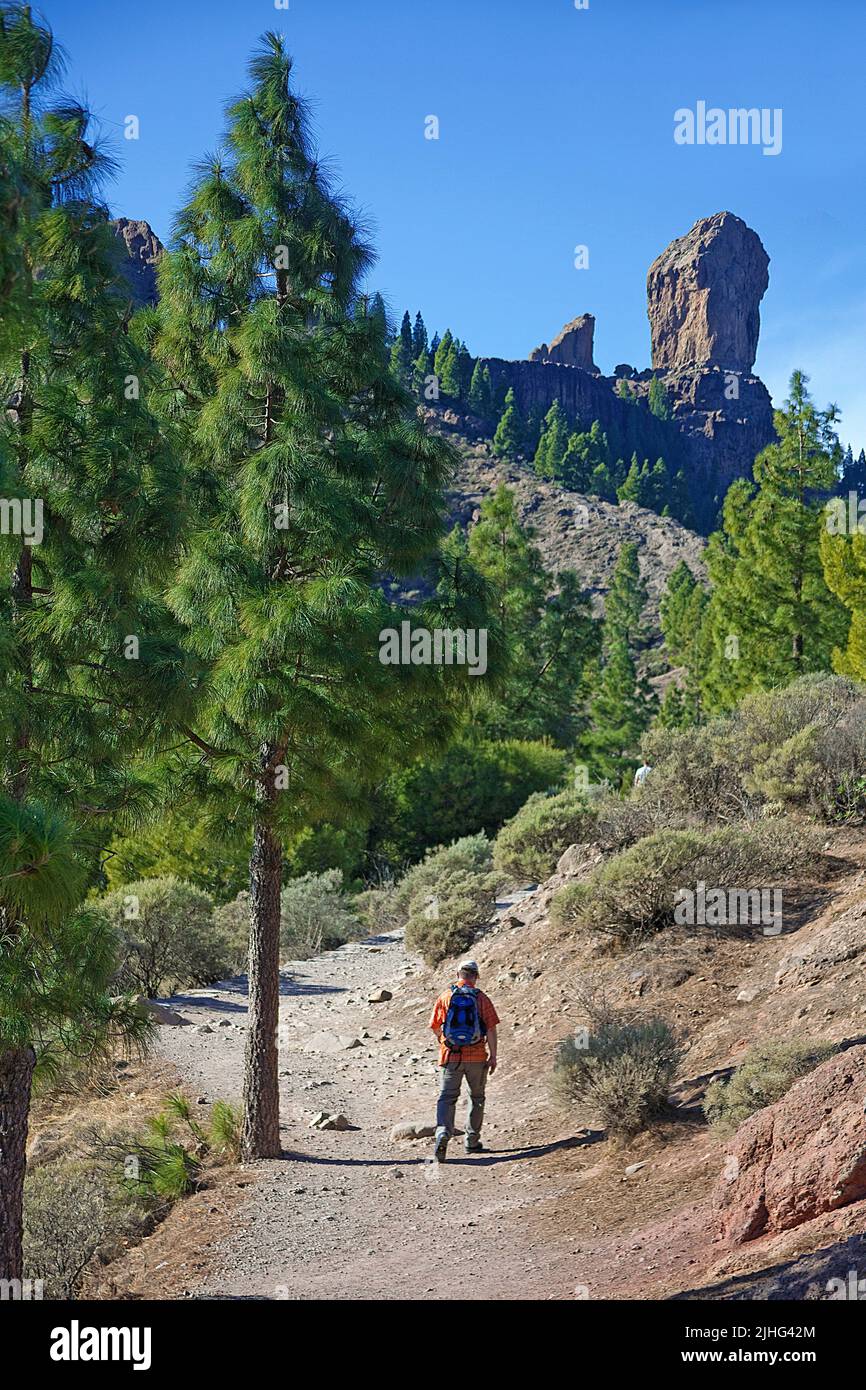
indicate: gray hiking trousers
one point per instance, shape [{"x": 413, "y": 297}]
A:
[{"x": 452, "y": 1079}]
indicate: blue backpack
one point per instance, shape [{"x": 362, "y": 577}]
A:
[{"x": 463, "y": 1024}]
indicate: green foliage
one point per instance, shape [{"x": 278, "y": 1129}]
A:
[
  {"x": 213, "y": 853},
  {"x": 529, "y": 845},
  {"x": 658, "y": 400},
  {"x": 315, "y": 916},
  {"x": 509, "y": 439},
  {"x": 73, "y": 1211},
  {"x": 481, "y": 401},
  {"x": 167, "y": 937},
  {"x": 553, "y": 444},
  {"x": 625, "y": 1072},
  {"x": 634, "y": 894},
  {"x": 843, "y": 557},
  {"x": 547, "y": 625},
  {"x": 448, "y": 898},
  {"x": 473, "y": 785},
  {"x": 771, "y": 616},
  {"x": 766, "y": 1073}
]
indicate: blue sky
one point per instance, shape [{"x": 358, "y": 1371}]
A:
[{"x": 556, "y": 129}]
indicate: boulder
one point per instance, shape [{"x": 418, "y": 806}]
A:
[
  {"x": 331, "y": 1042},
  {"x": 160, "y": 1013},
  {"x": 412, "y": 1130},
  {"x": 379, "y": 996},
  {"x": 798, "y": 1158},
  {"x": 326, "y": 1120},
  {"x": 703, "y": 296}
]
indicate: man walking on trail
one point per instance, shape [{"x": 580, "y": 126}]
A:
[{"x": 464, "y": 1021}]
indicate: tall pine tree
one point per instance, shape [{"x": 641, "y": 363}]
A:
[{"x": 323, "y": 479}]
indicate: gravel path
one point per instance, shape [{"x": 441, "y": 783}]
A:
[{"x": 351, "y": 1214}]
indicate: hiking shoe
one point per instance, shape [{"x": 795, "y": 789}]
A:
[
  {"x": 440, "y": 1148},
  {"x": 475, "y": 1148}
]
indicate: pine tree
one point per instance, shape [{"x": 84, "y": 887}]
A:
[
  {"x": 546, "y": 625},
  {"x": 481, "y": 392},
  {"x": 771, "y": 615},
  {"x": 323, "y": 479},
  {"x": 402, "y": 356},
  {"x": 844, "y": 560},
  {"x": 553, "y": 444},
  {"x": 508, "y": 440},
  {"x": 658, "y": 400},
  {"x": 446, "y": 366},
  {"x": 83, "y": 647},
  {"x": 626, "y": 600},
  {"x": 681, "y": 613},
  {"x": 620, "y": 709},
  {"x": 419, "y": 337},
  {"x": 630, "y": 490}
]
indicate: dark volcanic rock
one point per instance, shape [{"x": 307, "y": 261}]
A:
[
  {"x": 703, "y": 294},
  {"x": 143, "y": 250}
]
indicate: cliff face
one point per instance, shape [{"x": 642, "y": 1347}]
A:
[
  {"x": 143, "y": 250},
  {"x": 703, "y": 296}
]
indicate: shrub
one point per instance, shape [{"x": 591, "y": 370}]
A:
[
  {"x": 693, "y": 777},
  {"x": 634, "y": 894},
  {"x": 528, "y": 846},
  {"x": 167, "y": 936},
  {"x": 72, "y": 1210},
  {"x": 448, "y": 898},
  {"x": 315, "y": 915},
  {"x": 802, "y": 746},
  {"x": 471, "y": 855},
  {"x": 377, "y": 910},
  {"x": 624, "y": 1073},
  {"x": 765, "y": 1074}
]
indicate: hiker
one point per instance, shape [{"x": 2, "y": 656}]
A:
[
  {"x": 464, "y": 1021},
  {"x": 642, "y": 774}
]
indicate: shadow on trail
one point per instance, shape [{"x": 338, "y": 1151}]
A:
[
  {"x": 805, "y": 1278},
  {"x": 487, "y": 1159}
]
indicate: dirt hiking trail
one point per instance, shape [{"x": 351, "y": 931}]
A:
[{"x": 351, "y": 1214}]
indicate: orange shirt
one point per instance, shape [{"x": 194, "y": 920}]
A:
[{"x": 473, "y": 1052}]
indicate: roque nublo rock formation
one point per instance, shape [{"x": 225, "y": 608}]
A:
[
  {"x": 703, "y": 298},
  {"x": 703, "y": 294}
]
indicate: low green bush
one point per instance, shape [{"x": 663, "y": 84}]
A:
[
  {"x": 77, "y": 1214},
  {"x": 766, "y": 1073},
  {"x": 635, "y": 893},
  {"x": 448, "y": 898},
  {"x": 315, "y": 915},
  {"x": 529, "y": 845},
  {"x": 167, "y": 936},
  {"x": 622, "y": 1069}
]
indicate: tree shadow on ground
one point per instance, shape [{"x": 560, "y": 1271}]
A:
[{"x": 805, "y": 1278}]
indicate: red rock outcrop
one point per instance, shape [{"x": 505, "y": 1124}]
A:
[{"x": 798, "y": 1158}]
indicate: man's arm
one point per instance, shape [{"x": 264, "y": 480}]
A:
[{"x": 491, "y": 1047}]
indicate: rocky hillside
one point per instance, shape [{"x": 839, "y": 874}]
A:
[{"x": 576, "y": 532}]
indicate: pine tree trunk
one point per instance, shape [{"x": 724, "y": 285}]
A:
[
  {"x": 16, "y": 1076},
  {"x": 261, "y": 1127}
]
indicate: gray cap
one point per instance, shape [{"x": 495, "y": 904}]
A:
[{"x": 467, "y": 967}]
